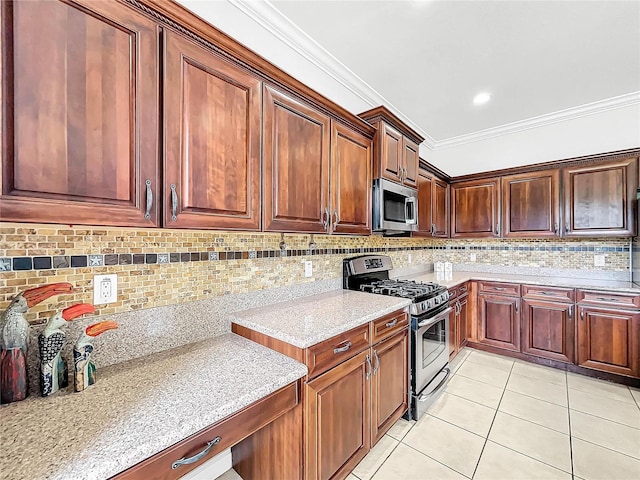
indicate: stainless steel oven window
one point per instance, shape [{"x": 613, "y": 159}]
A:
[{"x": 434, "y": 342}]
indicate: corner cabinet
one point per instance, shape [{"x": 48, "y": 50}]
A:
[
  {"x": 212, "y": 119},
  {"x": 80, "y": 114},
  {"x": 475, "y": 208}
]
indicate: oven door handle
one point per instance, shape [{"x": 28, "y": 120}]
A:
[
  {"x": 425, "y": 396},
  {"x": 436, "y": 319}
]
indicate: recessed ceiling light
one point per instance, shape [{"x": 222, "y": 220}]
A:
[{"x": 482, "y": 97}]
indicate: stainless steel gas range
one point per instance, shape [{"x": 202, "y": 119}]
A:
[{"x": 429, "y": 351}]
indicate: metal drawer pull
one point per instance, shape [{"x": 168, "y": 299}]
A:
[
  {"x": 607, "y": 299},
  {"x": 327, "y": 219},
  {"x": 500, "y": 289},
  {"x": 463, "y": 289},
  {"x": 337, "y": 220},
  {"x": 174, "y": 203},
  {"x": 147, "y": 212},
  {"x": 342, "y": 349},
  {"x": 377, "y": 367},
  {"x": 199, "y": 456},
  {"x": 392, "y": 324}
]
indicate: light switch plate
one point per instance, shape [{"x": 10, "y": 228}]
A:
[
  {"x": 409, "y": 259},
  {"x": 308, "y": 268},
  {"x": 105, "y": 289},
  {"x": 598, "y": 260}
]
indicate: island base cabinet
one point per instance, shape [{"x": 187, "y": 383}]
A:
[
  {"x": 338, "y": 413},
  {"x": 548, "y": 330},
  {"x": 608, "y": 340}
]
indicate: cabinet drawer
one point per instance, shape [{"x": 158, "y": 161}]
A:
[
  {"x": 548, "y": 293},
  {"x": 617, "y": 299},
  {"x": 326, "y": 355},
  {"x": 499, "y": 288},
  {"x": 230, "y": 431},
  {"x": 463, "y": 289},
  {"x": 388, "y": 325},
  {"x": 453, "y": 293}
]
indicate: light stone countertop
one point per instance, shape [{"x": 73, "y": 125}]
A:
[
  {"x": 310, "y": 320},
  {"x": 137, "y": 409},
  {"x": 461, "y": 277}
]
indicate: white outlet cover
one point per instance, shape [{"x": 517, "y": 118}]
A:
[
  {"x": 598, "y": 260},
  {"x": 105, "y": 289},
  {"x": 474, "y": 257},
  {"x": 308, "y": 268},
  {"x": 410, "y": 259}
]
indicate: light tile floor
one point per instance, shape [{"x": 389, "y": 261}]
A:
[{"x": 502, "y": 419}]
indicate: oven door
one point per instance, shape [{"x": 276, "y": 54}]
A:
[{"x": 432, "y": 349}]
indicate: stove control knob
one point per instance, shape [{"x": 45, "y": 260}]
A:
[
  {"x": 424, "y": 305},
  {"x": 436, "y": 300}
]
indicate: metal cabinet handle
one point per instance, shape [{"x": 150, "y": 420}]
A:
[
  {"x": 498, "y": 228},
  {"x": 581, "y": 314},
  {"x": 344, "y": 348},
  {"x": 604, "y": 299},
  {"x": 566, "y": 227},
  {"x": 377, "y": 366},
  {"x": 556, "y": 228},
  {"x": 393, "y": 323},
  {"x": 174, "y": 203},
  {"x": 199, "y": 456},
  {"x": 433, "y": 229},
  {"x": 369, "y": 368},
  {"x": 337, "y": 218},
  {"x": 326, "y": 219},
  {"x": 147, "y": 212},
  {"x": 500, "y": 289},
  {"x": 517, "y": 303},
  {"x": 463, "y": 289},
  {"x": 570, "y": 311}
]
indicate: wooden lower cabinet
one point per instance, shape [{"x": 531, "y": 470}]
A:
[
  {"x": 609, "y": 340},
  {"x": 338, "y": 415},
  {"x": 548, "y": 329},
  {"x": 499, "y": 321}
]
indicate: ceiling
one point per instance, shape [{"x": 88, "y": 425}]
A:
[{"x": 430, "y": 58}]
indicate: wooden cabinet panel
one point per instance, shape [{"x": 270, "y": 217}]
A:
[
  {"x": 296, "y": 165},
  {"x": 474, "y": 209},
  {"x": 80, "y": 113},
  {"x": 212, "y": 115},
  {"x": 390, "y": 383},
  {"x": 546, "y": 293},
  {"x": 611, "y": 299},
  {"x": 548, "y": 329},
  {"x": 351, "y": 179},
  {"x": 425, "y": 198},
  {"x": 599, "y": 200},
  {"x": 338, "y": 419},
  {"x": 410, "y": 159},
  {"x": 391, "y": 150},
  {"x": 499, "y": 288},
  {"x": 462, "y": 324},
  {"x": 531, "y": 204},
  {"x": 608, "y": 340},
  {"x": 499, "y": 321},
  {"x": 440, "y": 208},
  {"x": 329, "y": 353}
]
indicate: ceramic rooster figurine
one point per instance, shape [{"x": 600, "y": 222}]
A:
[
  {"x": 85, "y": 369},
  {"x": 54, "y": 373},
  {"x": 14, "y": 330}
]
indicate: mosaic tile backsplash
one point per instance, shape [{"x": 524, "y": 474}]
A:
[{"x": 158, "y": 267}]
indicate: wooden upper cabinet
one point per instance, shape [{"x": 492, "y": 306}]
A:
[
  {"x": 351, "y": 165},
  {"x": 80, "y": 113},
  {"x": 599, "y": 200},
  {"x": 425, "y": 209},
  {"x": 531, "y": 204},
  {"x": 391, "y": 150},
  {"x": 440, "y": 208},
  {"x": 410, "y": 159},
  {"x": 296, "y": 165},
  {"x": 475, "y": 208},
  {"x": 212, "y": 115}
]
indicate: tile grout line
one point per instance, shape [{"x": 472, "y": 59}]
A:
[
  {"x": 573, "y": 474},
  {"x": 634, "y": 397},
  {"x": 385, "y": 458},
  {"x": 436, "y": 460}
]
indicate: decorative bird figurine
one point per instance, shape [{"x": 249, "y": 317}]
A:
[
  {"x": 85, "y": 369},
  {"x": 54, "y": 373},
  {"x": 14, "y": 330}
]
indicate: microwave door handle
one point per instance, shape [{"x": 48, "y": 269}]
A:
[{"x": 410, "y": 210}]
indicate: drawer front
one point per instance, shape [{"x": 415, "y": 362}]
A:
[
  {"x": 227, "y": 432},
  {"x": 499, "y": 288},
  {"x": 388, "y": 325},
  {"x": 453, "y": 293},
  {"x": 613, "y": 299},
  {"x": 539, "y": 292},
  {"x": 326, "y": 355},
  {"x": 463, "y": 289}
]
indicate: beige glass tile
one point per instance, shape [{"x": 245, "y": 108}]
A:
[
  {"x": 483, "y": 373},
  {"x": 500, "y": 463},
  {"x": 593, "y": 462},
  {"x": 401, "y": 428},
  {"x": 375, "y": 458},
  {"x": 540, "y": 389},
  {"x": 454, "y": 447},
  {"x": 464, "y": 413},
  {"x": 405, "y": 463},
  {"x": 490, "y": 360},
  {"x": 540, "y": 372},
  {"x": 621, "y": 412},
  {"x": 473, "y": 390},
  {"x": 535, "y": 441},
  {"x": 537, "y": 411},
  {"x": 594, "y": 386},
  {"x": 618, "y": 437}
]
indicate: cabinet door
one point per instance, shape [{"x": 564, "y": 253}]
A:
[
  {"x": 296, "y": 165},
  {"x": 410, "y": 159},
  {"x": 425, "y": 197},
  {"x": 500, "y": 321},
  {"x": 351, "y": 166},
  {"x": 599, "y": 200},
  {"x": 548, "y": 329},
  {"x": 338, "y": 419},
  {"x": 391, "y": 151},
  {"x": 531, "y": 204},
  {"x": 440, "y": 208},
  {"x": 475, "y": 207},
  {"x": 390, "y": 383},
  {"x": 212, "y": 140},
  {"x": 80, "y": 113},
  {"x": 462, "y": 324},
  {"x": 608, "y": 340}
]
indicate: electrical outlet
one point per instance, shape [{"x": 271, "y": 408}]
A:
[
  {"x": 105, "y": 289},
  {"x": 598, "y": 260},
  {"x": 410, "y": 259},
  {"x": 474, "y": 257},
  {"x": 308, "y": 268}
]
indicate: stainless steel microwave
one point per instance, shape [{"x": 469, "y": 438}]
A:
[{"x": 395, "y": 207}]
